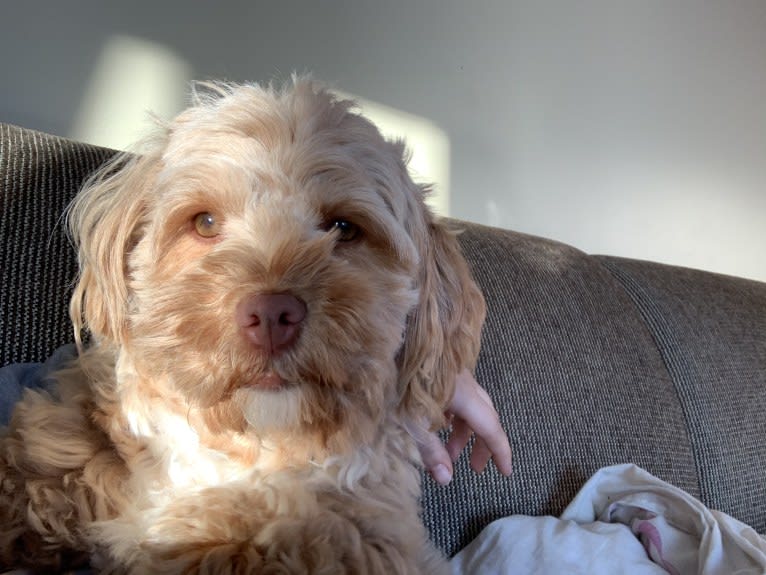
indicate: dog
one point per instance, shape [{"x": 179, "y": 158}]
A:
[{"x": 269, "y": 306}]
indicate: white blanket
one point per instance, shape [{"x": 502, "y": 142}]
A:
[{"x": 624, "y": 520}]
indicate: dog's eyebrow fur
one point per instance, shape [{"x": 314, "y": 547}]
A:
[{"x": 387, "y": 201}]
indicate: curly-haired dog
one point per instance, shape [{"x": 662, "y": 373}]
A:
[{"x": 270, "y": 303}]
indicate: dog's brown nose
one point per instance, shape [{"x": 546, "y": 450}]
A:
[{"x": 272, "y": 322}]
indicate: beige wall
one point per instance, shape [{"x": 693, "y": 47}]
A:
[{"x": 629, "y": 128}]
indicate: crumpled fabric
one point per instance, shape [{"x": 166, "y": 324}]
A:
[{"x": 622, "y": 521}]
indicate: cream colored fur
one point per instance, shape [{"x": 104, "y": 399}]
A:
[{"x": 161, "y": 451}]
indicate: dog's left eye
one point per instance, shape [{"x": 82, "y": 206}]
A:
[
  {"x": 346, "y": 230},
  {"x": 206, "y": 225}
]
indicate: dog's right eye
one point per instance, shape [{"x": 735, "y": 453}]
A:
[
  {"x": 206, "y": 225},
  {"x": 346, "y": 230}
]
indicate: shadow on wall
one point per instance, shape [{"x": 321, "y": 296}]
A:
[{"x": 136, "y": 81}]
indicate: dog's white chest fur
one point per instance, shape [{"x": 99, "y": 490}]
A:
[
  {"x": 189, "y": 464},
  {"x": 180, "y": 462}
]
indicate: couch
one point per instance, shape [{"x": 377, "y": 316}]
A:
[{"x": 590, "y": 360}]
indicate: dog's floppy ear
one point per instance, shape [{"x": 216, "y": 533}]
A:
[
  {"x": 103, "y": 222},
  {"x": 444, "y": 331}
]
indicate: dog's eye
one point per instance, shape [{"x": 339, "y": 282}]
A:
[
  {"x": 206, "y": 225},
  {"x": 346, "y": 230}
]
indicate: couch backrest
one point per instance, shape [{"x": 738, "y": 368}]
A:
[
  {"x": 591, "y": 361},
  {"x": 595, "y": 361},
  {"x": 39, "y": 176}
]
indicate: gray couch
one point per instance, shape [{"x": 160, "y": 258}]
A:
[{"x": 591, "y": 360}]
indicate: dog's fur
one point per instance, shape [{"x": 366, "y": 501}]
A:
[{"x": 167, "y": 447}]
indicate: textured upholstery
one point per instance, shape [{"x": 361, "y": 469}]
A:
[
  {"x": 575, "y": 376},
  {"x": 591, "y": 361},
  {"x": 39, "y": 175},
  {"x": 711, "y": 333}
]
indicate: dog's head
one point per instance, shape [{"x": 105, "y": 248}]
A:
[{"x": 269, "y": 260}]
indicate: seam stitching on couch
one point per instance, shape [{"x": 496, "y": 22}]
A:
[{"x": 666, "y": 344}]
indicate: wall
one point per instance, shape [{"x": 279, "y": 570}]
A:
[{"x": 628, "y": 128}]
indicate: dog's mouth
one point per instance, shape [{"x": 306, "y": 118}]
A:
[{"x": 268, "y": 381}]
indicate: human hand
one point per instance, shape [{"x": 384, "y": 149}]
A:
[{"x": 471, "y": 412}]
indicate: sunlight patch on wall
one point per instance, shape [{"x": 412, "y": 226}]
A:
[
  {"x": 133, "y": 80},
  {"x": 428, "y": 145}
]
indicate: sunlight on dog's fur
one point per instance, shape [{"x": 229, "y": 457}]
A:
[{"x": 269, "y": 303}]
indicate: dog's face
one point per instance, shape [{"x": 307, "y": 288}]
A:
[{"x": 270, "y": 262}]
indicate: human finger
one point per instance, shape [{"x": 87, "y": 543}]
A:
[
  {"x": 434, "y": 455},
  {"x": 472, "y": 404},
  {"x": 459, "y": 437}
]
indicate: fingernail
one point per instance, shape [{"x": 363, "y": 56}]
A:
[{"x": 442, "y": 474}]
